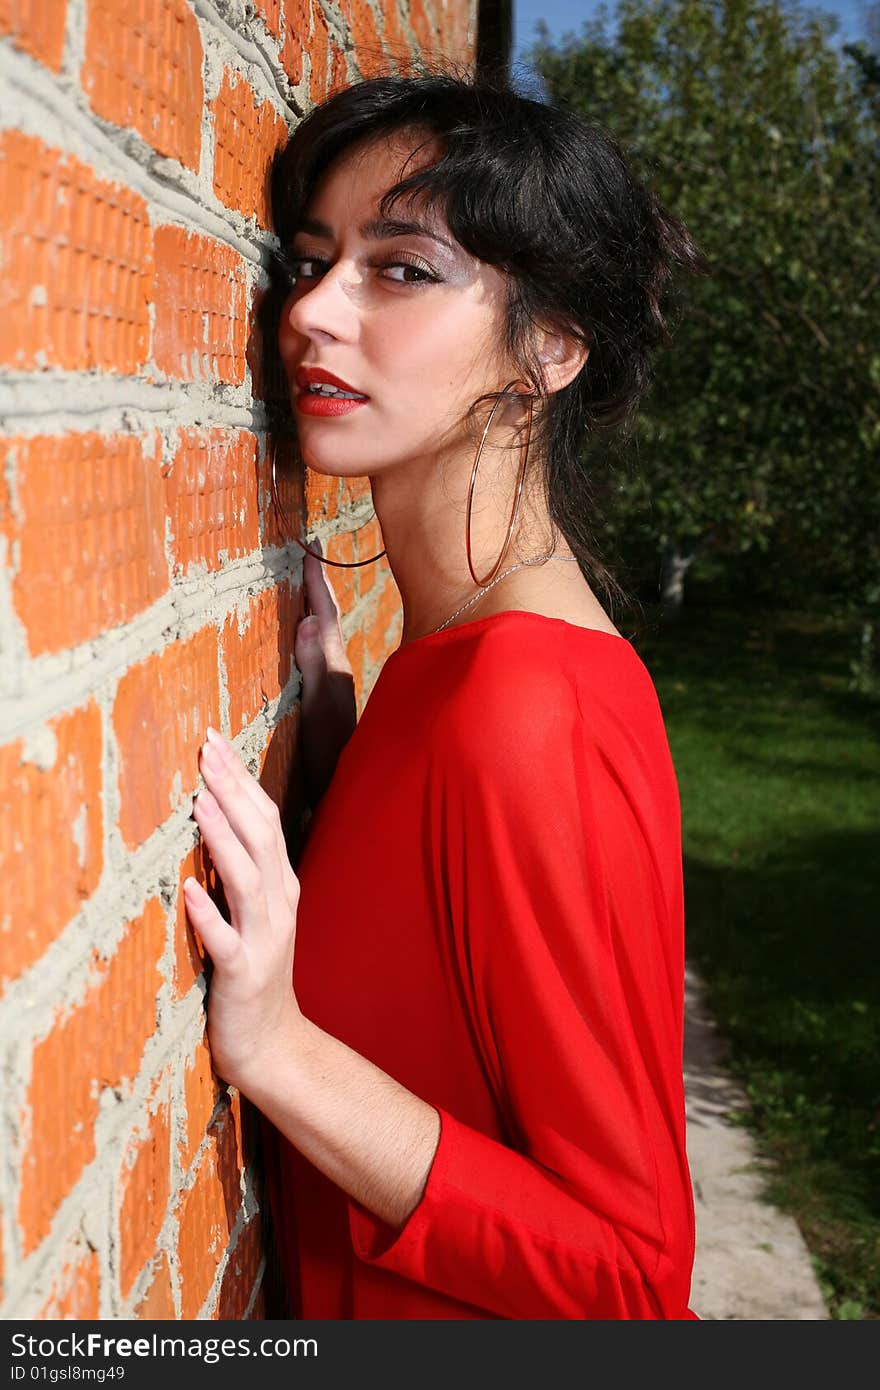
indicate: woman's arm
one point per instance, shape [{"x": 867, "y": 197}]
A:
[{"x": 360, "y": 1127}]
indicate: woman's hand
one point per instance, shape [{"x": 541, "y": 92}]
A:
[
  {"x": 359, "y": 1126},
  {"x": 252, "y": 1010},
  {"x": 328, "y": 706}
]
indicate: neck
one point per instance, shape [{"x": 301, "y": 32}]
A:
[{"x": 422, "y": 510}]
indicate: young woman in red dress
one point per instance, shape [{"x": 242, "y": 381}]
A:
[{"x": 461, "y": 1016}]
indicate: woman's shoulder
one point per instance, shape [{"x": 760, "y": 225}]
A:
[
  {"x": 518, "y": 686},
  {"x": 553, "y": 723},
  {"x": 537, "y": 653},
  {"x": 520, "y": 636}
]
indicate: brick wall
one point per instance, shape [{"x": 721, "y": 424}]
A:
[{"x": 145, "y": 592}]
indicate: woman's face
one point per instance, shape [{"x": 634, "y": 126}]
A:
[{"x": 409, "y": 322}]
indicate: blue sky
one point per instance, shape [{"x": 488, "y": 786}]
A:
[{"x": 564, "y": 16}]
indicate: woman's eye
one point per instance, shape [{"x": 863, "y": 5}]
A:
[
  {"x": 297, "y": 264},
  {"x": 303, "y": 268},
  {"x": 421, "y": 271}
]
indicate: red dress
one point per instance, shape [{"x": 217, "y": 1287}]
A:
[{"x": 492, "y": 912}]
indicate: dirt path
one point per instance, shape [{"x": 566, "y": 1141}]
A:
[{"x": 751, "y": 1260}]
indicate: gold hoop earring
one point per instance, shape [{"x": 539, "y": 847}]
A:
[
  {"x": 341, "y": 564},
  {"x": 519, "y": 486}
]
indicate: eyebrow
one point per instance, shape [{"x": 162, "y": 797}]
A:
[{"x": 379, "y": 229}]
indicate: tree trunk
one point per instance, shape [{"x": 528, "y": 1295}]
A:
[
  {"x": 675, "y": 565},
  {"x": 862, "y": 676}
]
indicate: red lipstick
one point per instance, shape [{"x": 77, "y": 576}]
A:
[{"x": 325, "y": 403}]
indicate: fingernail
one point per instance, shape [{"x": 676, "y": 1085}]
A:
[
  {"x": 309, "y": 626},
  {"x": 217, "y": 744},
  {"x": 211, "y": 756},
  {"x": 205, "y": 802}
]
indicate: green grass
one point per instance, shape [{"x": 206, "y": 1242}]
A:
[{"x": 779, "y": 769}]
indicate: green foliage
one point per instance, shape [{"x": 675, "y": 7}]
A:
[
  {"x": 761, "y": 432},
  {"x": 778, "y": 765}
]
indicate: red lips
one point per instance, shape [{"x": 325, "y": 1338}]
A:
[{"x": 305, "y": 376}]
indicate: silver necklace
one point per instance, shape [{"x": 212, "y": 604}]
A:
[{"x": 475, "y": 598}]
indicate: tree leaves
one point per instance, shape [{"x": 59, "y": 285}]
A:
[{"x": 762, "y": 427}]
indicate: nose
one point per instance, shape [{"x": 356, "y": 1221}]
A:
[{"x": 324, "y": 307}]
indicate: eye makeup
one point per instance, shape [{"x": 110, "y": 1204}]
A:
[{"x": 447, "y": 252}]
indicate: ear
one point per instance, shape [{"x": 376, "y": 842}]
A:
[{"x": 562, "y": 356}]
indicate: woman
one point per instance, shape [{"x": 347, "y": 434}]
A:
[{"x": 474, "y": 1069}]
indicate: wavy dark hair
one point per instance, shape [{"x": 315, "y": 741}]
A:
[{"x": 547, "y": 197}]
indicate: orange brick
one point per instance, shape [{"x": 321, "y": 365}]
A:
[
  {"x": 422, "y": 27},
  {"x": 393, "y": 37},
  {"x": 353, "y": 490},
  {"x": 452, "y": 31},
  {"x": 247, "y": 1121},
  {"x": 368, "y": 55},
  {"x": 286, "y": 529},
  {"x": 92, "y": 525},
  {"x": 7, "y": 520},
  {"x": 338, "y": 69},
  {"x": 268, "y": 379},
  {"x": 97, "y": 1043},
  {"x": 321, "y": 496},
  {"x": 162, "y": 708},
  {"x": 125, "y": 996},
  {"x": 259, "y": 658},
  {"x": 51, "y": 833},
  {"x": 383, "y": 634},
  {"x": 342, "y": 580},
  {"x": 319, "y": 47},
  {"x": 37, "y": 27},
  {"x": 207, "y": 1215},
  {"x": 361, "y": 23},
  {"x": 246, "y": 136},
  {"x": 201, "y": 311},
  {"x": 254, "y": 352},
  {"x": 368, "y": 541},
  {"x": 211, "y": 497},
  {"x": 157, "y": 1304},
  {"x": 270, "y": 11},
  {"x": 374, "y": 640},
  {"x": 75, "y": 1288},
  {"x": 389, "y": 613},
  {"x": 445, "y": 21},
  {"x": 356, "y": 653},
  {"x": 297, "y": 29},
  {"x": 241, "y": 1273},
  {"x": 188, "y": 957},
  {"x": 333, "y": 499},
  {"x": 77, "y": 263},
  {"x": 145, "y": 1184},
  {"x": 202, "y": 1091},
  {"x": 143, "y": 69}
]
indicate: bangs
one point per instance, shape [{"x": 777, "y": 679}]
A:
[{"x": 486, "y": 186}]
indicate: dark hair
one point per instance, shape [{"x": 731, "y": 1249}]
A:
[{"x": 546, "y": 196}]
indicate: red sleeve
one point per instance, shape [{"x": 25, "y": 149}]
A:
[{"x": 550, "y": 874}]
